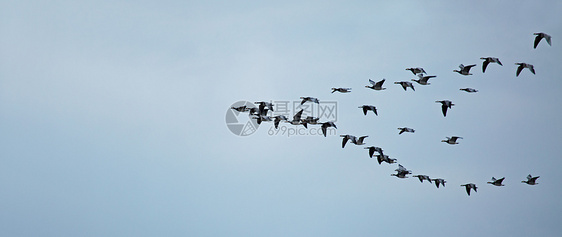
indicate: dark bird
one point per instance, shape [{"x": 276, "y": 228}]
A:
[
  {"x": 470, "y": 186},
  {"x": 469, "y": 90},
  {"x": 524, "y": 65},
  {"x": 496, "y": 182},
  {"x": 376, "y": 85},
  {"x": 401, "y": 172},
  {"x": 439, "y": 181},
  {"x": 422, "y": 177},
  {"x": 372, "y": 150},
  {"x": 326, "y": 125},
  {"x": 278, "y": 119},
  {"x": 369, "y": 107},
  {"x": 531, "y": 180},
  {"x": 416, "y": 70},
  {"x": 341, "y": 90},
  {"x": 346, "y": 138},
  {"x": 406, "y": 129},
  {"x": 451, "y": 140},
  {"x": 384, "y": 158},
  {"x": 539, "y": 37},
  {"x": 405, "y": 84},
  {"x": 488, "y": 60},
  {"x": 423, "y": 79},
  {"x": 311, "y": 99},
  {"x": 445, "y": 104},
  {"x": 465, "y": 70}
]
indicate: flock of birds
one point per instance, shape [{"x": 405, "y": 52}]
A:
[{"x": 263, "y": 109}]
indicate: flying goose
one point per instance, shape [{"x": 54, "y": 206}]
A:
[
  {"x": 465, "y": 70},
  {"x": 369, "y": 107},
  {"x": 326, "y": 125},
  {"x": 242, "y": 108},
  {"x": 311, "y": 99},
  {"x": 376, "y": 85},
  {"x": 346, "y": 138},
  {"x": 470, "y": 186},
  {"x": 416, "y": 70},
  {"x": 540, "y": 36},
  {"x": 524, "y": 65},
  {"x": 296, "y": 118},
  {"x": 531, "y": 180},
  {"x": 422, "y": 177},
  {"x": 278, "y": 119},
  {"x": 469, "y": 90},
  {"x": 401, "y": 172},
  {"x": 451, "y": 140},
  {"x": 423, "y": 79},
  {"x": 406, "y": 129},
  {"x": 405, "y": 84},
  {"x": 384, "y": 158},
  {"x": 445, "y": 104},
  {"x": 263, "y": 105},
  {"x": 341, "y": 90},
  {"x": 439, "y": 181},
  {"x": 488, "y": 60},
  {"x": 359, "y": 141},
  {"x": 496, "y": 182}
]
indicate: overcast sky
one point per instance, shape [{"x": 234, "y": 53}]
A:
[{"x": 112, "y": 118}]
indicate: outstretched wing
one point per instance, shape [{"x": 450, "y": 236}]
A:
[
  {"x": 444, "y": 110},
  {"x": 519, "y": 69},
  {"x": 484, "y": 65},
  {"x": 537, "y": 40}
]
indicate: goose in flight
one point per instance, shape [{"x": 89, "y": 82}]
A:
[
  {"x": 401, "y": 172},
  {"x": 263, "y": 105},
  {"x": 341, "y": 90},
  {"x": 406, "y": 129},
  {"x": 376, "y": 85},
  {"x": 416, "y": 70},
  {"x": 496, "y": 182},
  {"x": 465, "y": 70},
  {"x": 405, "y": 84},
  {"x": 311, "y": 99},
  {"x": 278, "y": 119},
  {"x": 445, "y": 104},
  {"x": 488, "y": 60},
  {"x": 359, "y": 141},
  {"x": 524, "y": 65},
  {"x": 540, "y": 36},
  {"x": 369, "y": 107},
  {"x": 422, "y": 177},
  {"x": 296, "y": 118},
  {"x": 384, "y": 158},
  {"x": 242, "y": 108},
  {"x": 326, "y": 125},
  {"x": 346, "y": 138},
  {"x": 451, "y": 140},
  {"x": 469, "y": 90},
  {"x": 531, "y": 180},
  {"x": 439, "y": 181},
  {"x": 470, "y": 186},
  {"x": 372, "y": 150},
  {"x": 423, "y": 79}
]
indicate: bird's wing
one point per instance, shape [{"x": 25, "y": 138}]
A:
[
  {"x": 532, "y": 69},
  {"x": 537, "y": 40},
  {"x": 344, "y": 141},
  {"x": 547, "y": 37},
  {"x": 371, "y": 151},
  {"x": 372, "y": 82},
  {"x": 500, "y": 63},
  {"x": 365, "y": 109},
  {"x": 444, "y": 110},
  {"x": 519, "y": 70},
  {"x": 484, "y": 65},
  {"x": 380, "y": 83}
]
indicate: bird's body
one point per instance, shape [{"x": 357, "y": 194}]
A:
[
  {"x": 488, "y": 60},
  {"x": 523, "y": 66},
  {"x": 496, "y": 182},
  {"x": 341, "y": 90},
  {"x": 539, "y": 37},
  {"x": 451, "y": 140},
  {"x": 369, "y": 107},
  {"x": 376, "y": 85},
  {"x": 405, "y": 85},
  {"x": 531, "y": 180},
  {"x": 465, "y": 70},
  {"x": 469, "y": 90},
  {"x": 470, "y": 186},
  {"x": 445, "y": 104}
]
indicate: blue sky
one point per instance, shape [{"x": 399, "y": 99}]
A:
[{"x": 112, "y": 118}]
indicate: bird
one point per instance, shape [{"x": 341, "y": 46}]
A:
[
  {"x": 470, "y": 186},
  {"x": 531, "y": 180},
  {"x": 369, "y": 107},
  {"x": 311, "y": 99},
  {"x": 416, "y": 70},
  {"x": 326, "y": 125},
  {"x": 439, "y": 181},
  {"x": 469, "y": 90},
  {"x": 496, "y": 182},
  {"x": 263, "y": 105},
  {"x": 406, "y": 129},
  {"x": 346, "y": 138},
  {"x": 540, "y": 36},
  {"x": 278, "y": 119},
  {"x": 423, "y": 79},
  {"x": 376, "y": 85},
  {"x": 451, "y": 140},
  {"x": 384, "y": 158},
  {"x": 401, "y": 172},
  {"x": 445, "y": 104},
  {"x": 242, "y": 108},
  {"x": 488, "y": 60},
  {"x": 405, "y": 84},
  {"x": 524, "y": 65},
  {"x": 341, "y": 90},
  {"x": 296, "y": 118},
  {"x": 422, "y": 177},
  {"x": 359, "y": 141},
  {"x": 465, "y": 70},
  {"x": 372, "y": 150}
]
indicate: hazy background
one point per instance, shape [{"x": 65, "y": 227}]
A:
[{"x": 112, "y": 118}]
